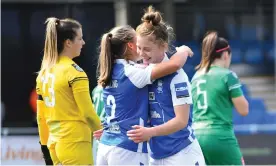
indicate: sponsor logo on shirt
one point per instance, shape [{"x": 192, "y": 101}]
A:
[
  {"x": 114, "y": 128},
  {"x": 155, "y": 115},
  {"x": 181, "y": 90}
]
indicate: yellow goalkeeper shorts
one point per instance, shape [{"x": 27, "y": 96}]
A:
[{"x": 71, "y": 153}]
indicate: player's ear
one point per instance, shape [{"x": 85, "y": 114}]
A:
[
  {"x": 131, "y": 45},
  {"x": 225, "y": 55},
  {"x": 68, "y": 43},
  {"x": 164, "y": 46}
]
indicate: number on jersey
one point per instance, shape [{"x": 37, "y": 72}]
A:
[
  {"x": 201, "y": 104},
  {"x": 98, "y": 99},
  {"x": 48, "y": 82},
  {"x": 110, "y": 101}
]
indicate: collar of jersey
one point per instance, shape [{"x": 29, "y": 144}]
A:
[
  {"x": 215, "y": 66},
  {"x": 63, "y": 58},
  {"x": 123, "y": 61}
]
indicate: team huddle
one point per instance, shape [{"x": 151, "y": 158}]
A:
[{"x": 140, "y": 114}]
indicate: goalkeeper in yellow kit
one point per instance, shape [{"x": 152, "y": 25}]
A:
[{"x": 66, "y": 117}]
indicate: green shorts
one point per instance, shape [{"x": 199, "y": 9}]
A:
[{"x": 220, "y": 150}]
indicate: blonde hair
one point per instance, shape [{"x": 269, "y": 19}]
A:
[
  {"x": 113, "y": 46},
  {"x": 153, "y": 24},
  {"x": 50, "y": 56},
  {"x": 57, "y": 31}
]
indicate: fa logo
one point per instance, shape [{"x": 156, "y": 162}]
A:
[{"x": 160, "y": 86}]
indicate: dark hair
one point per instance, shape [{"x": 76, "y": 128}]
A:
[
  {"x": 153, "y": 24},
  {"x": 57, "y": 32},
  {"x": 212, "y": 48},
  {"x": 113, "y": 46}
]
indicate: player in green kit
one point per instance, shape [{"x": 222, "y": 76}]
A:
[
  {"x": 216, "y": 90},
  {"x": 98, "y": 101},
  {"x": 99, "y": 107}
]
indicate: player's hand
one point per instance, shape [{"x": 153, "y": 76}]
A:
[
  {"x": 97, "y": 134},
  {"x": 185, "y": 49},
  {"x": 139, "y": 134}
]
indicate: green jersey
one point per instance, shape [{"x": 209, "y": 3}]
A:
[
  {"x": 97, "y": 95},
  {"x": 212, "y": 93}
]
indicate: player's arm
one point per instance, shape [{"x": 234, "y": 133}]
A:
[
  {"x": 238, "y": 99},
  {"x": 43, "y": 129},
  {"x": 141, "y": 77},
  {"x": 177, "y": 123},
  {"x": 80, "y": 88},
  {"x": 41, "y": 121},
  {"x": 181, "y": 101},
  {"x": 175, "y": 63}
]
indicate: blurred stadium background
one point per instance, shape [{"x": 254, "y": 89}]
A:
[{"x": 249, "y": 25}]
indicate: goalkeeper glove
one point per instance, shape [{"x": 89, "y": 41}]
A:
[{"x": 46, "y": 154}]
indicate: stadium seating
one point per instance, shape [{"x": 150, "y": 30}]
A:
[
  {"x": 253, "y": 52},
  {"x": 236, "y": 56},
  {"x": 258, "y": 115},
  {"x": 248, "y": 33},
  {"x": 245, "y": 90},
  {"x": 269, "y": 118},
  {"x": 270, "y": 51}
]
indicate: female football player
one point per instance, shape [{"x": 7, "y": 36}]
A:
[
  {"x": 125, "y": 95},
  {"x": 172, "y": 141},
  {"x": 215, "y": 91},
  {"x": 66, "y": 117}
]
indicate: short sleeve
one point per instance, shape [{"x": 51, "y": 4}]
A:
[
  {"x": 181, "y": 89},
  {"x": 234, "y": 85},
  {"x": 140, "y": 77}
]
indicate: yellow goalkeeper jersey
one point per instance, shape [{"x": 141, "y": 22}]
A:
[{"x": 64, "y": 107}]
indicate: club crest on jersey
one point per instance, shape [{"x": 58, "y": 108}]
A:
[
  {"x": 151, "y": 96},
  {"x": 181, "y": 90},
  {"x": 159, "y": 86},
  {"x": 77, "y": 67}
]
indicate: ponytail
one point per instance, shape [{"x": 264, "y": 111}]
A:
[
  {"x": 113, "y": 46},
  {"x": 208, "y": 47},
  {"x": 50, "y": 56},
  {"x": 105, "y": 61}
]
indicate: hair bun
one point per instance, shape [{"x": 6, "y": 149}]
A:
[{"x": 151, "y": 16}]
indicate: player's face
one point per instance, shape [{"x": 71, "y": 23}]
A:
[
  {"x": 133, "y": 49},
  {"x": 77, "y": 43},
  {"x": 150, "y": 51}
]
